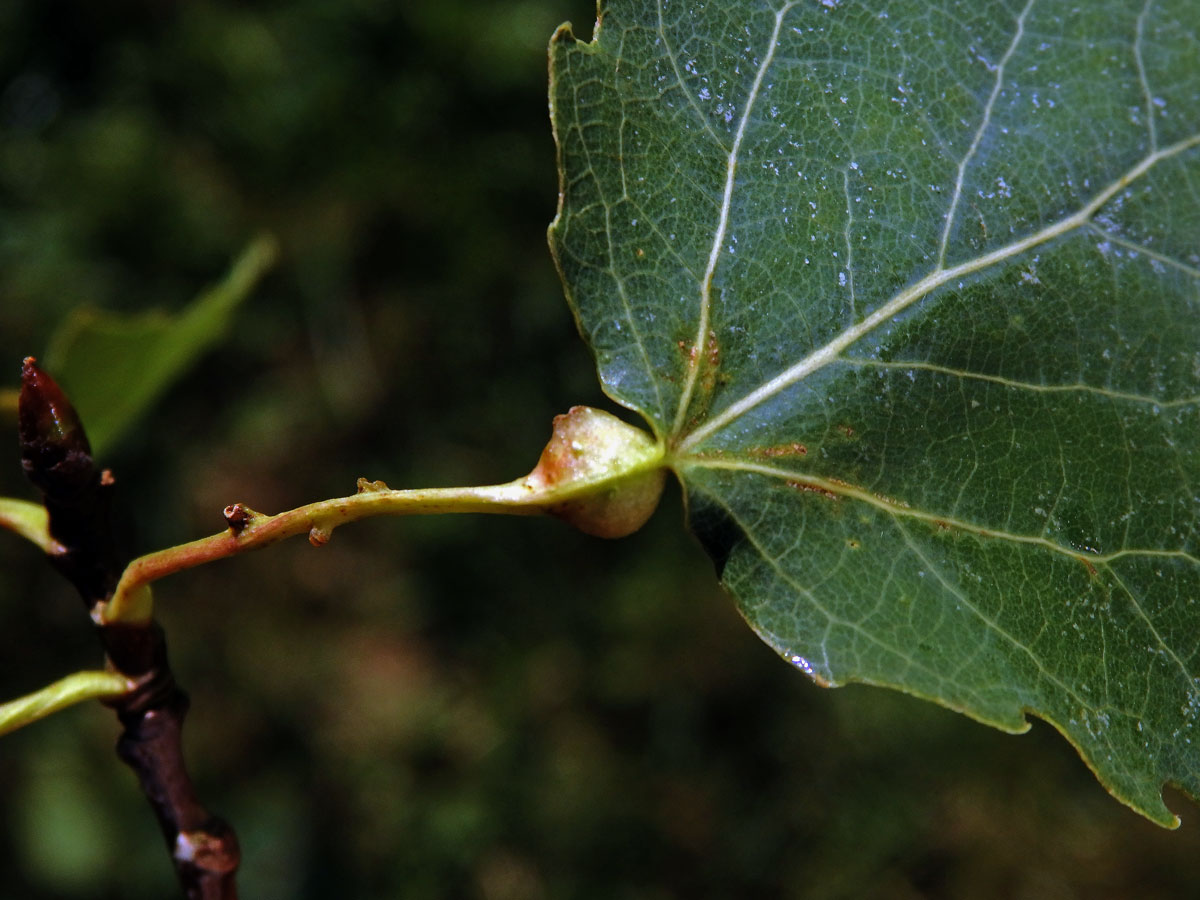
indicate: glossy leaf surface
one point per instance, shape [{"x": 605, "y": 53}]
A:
[{"x": 912, "y": 293}]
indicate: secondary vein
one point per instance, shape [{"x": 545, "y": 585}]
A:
[
  {"x": 900, "y": 510},
  {"x": 983, "y": 127},
  {"x": 831, "y": 351},
  {"x": 710, "y": 269},
  {"x": 1077, "y": 387}
]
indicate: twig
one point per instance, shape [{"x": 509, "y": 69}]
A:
[
  {"x": 77, "y": 496},
  {"x": 75, "y": 688},
  {"x": 251, "y": 530},
  {"x": 597, "y": 472}
]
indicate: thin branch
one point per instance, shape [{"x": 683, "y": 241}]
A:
[
  {"x": 75, "y": 688},
  {"x": 250, "y": 530},
  {"x": 151, "y": 706},
  {"x": 599, "y": 473}
]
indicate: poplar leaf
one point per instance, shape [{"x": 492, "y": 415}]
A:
[{"x": 911, "y": 292}]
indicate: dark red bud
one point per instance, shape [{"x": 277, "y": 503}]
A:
[
  {"x": 53, "y": 442},
  {"x": 45, "y": 412}
]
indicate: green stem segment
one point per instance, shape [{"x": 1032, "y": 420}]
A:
[
  {"x": 598, "y": 473},
  {"x": 251, "y": 530},
  {"x": 31, "y": 521},
  {"x": 65, "y": 692}
]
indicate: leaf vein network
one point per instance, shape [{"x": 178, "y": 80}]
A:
[
  {"x": 612, "y": 272},
  {"x": 991, "y": 623},
  {"x": 1141, "y": 613},
  {"x": 918, "y": 290},
  {"x": 788, "y": 579},
  {"x": 674, "y": 58}
]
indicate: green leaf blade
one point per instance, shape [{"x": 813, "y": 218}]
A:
[
  {"x": 115, "y": 367},
  {"x": 926, "y": 344}
]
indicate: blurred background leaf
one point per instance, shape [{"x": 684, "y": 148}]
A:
[
  {"x": 471, "y": 707},
  {"x": 114, "y": 367}
]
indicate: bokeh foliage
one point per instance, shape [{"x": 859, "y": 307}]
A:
[{"x": 467, "y": 707}]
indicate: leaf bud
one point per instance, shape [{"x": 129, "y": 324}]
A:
[{"x": 54, "y": 447}]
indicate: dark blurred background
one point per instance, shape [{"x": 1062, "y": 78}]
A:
[{"x": 467, "y": 707}]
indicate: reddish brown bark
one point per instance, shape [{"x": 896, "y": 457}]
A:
[{"x": 78, "y": 497}]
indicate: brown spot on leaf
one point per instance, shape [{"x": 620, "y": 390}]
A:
[
  {"x": 795, "y": 448},
  {"x": 688, "y": 349},
  {"x": 812, "y": 489},
  {"x": 712, "y": 364},
  {"x": 711, "y": 358}
]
